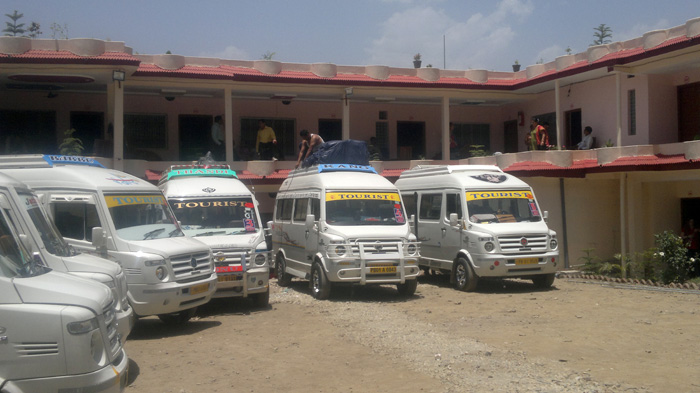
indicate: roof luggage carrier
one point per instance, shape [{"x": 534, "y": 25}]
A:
[
  {"x": 197, "y": 170},
  {"x": 432, "y": 170},
  {"x": 44, "y": 161}
]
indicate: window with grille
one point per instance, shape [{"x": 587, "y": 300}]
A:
[
  {"x": 146, "y": 131},
  {"x": 632, "y": 102}
]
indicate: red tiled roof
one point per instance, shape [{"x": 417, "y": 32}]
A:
[
  {"x": 580, "y": 168},
  {"x": 65, "y": 57}
]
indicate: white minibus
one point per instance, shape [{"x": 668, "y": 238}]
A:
[
  {"x": 342, "y": 223},
  {"x": 477, "y": 221},
  {"x": 215, "y": 207}
]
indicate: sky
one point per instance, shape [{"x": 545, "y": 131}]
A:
[{"x": 449, "y": 34}]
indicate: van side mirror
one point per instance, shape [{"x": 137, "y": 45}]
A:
[
  {"x": 454, "y": 221},
  {"x": 310, "y": 220},
  {"x": 545, "y": 215},
  {"x": 99, "y": 238}
]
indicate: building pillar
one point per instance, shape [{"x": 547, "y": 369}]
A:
[
  {"x": 346, "y": 117},
  {"x": 228, "y": 124},
  {"x": 618, "y": 106},
  {"x": 445, "y": 129},
  {"x": 623, "y": 221},
  {"x": 116, "y": 115},
  {"x": 557, "y": 103}
]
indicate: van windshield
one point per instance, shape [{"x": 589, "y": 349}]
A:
[
  {"x": 142, "y": 217},
  {"x": 216, "y": 216},
  {"x": 364, "y": 208},
  {"x": 14, "y": 262},
  {"x": 503, "y": 206},
  {"x": 52, "y": 239}
]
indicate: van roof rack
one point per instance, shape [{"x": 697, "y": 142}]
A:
[
  {"x": 45, "y": 161},
  {"x": 425, "y": 170},
  {"x": 322, "y": 168},
  {"x": 198, "y": 170}
]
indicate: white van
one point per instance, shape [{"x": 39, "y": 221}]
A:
[
  {"x": 215, "y": 207},
  {"x": 341, "y": 223},
  {"x": 28, "y": 217},
  {"x": 58, "y": 332},
  {"x": 477, "y": 221},
  {"x": 101, "y": 210}
]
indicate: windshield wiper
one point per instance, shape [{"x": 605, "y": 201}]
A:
[
  {"x": 211, "y": 233},
  {"x": 153, "y": 233},
  {"x": 174, "y": 232}
]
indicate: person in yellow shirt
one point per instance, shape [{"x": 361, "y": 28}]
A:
[{"x": 266, "y": 141}]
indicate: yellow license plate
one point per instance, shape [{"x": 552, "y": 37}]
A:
[
  {"x": 199, "y": 289},
  {"x": 382, "y": 270},
  {"x": 527, "y": 261},
  {"x": 228, "y": 277}
]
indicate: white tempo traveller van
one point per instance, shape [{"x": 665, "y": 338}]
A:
[
  {"x": 58, "y": 332},
  {"x": 28, "y": 218},
  {"x": 215, "y": 207},
  {"x": 101, "y": 210},
  {"x": 341, "y": 223},
  {"x": 477, "y": 221}
]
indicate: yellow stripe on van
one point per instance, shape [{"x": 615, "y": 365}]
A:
[
  {"x": 123, "y": 200},
  {"x": 479, "y": 195},
  {"x": 344, "y": 196}
]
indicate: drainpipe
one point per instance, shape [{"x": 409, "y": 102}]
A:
[
  {"x": 623, "y": 221},
  {"x": 118, "y": 156},
  {"x": 618, "y": 104},
  {"x": 564, "y": 235}
]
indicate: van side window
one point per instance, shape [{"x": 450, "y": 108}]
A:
[
  {"x": 409, "y": 201},
  {"x": 430, "y": 205},
  {"x": 300, "y": 209},
  {"x": 316, "y": 208},
  {"x": 75, "y": 220},
  {"x": 284, "y": 209},
  {"x": 453, "y": 204}
]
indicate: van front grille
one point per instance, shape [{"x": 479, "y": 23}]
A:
[
  {"x": 37, "y": 349},
  {"x": 522, "y": 243},
  {"x": 187, "y": 265}
]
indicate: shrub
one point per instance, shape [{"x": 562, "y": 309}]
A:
[
  {"x": 674, "y": 257},
  {"x": 71, "y": 146}
]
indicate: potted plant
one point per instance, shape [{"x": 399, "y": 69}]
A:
[
  {"x": 416, "y": 60},
  {"x": 516, "y": 66}
]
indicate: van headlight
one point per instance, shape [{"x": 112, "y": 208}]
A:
[
  {"x": 340, "y": 250},
  {"x": 553, "y": 244},
  {"x": 412, "y": 249},
  {"x": 489, "y": 246},
  {"x": 82, "y": 327},
  {"x": 97, "y": 348},
  {"x": 260, "y": 259},
  {"x": 161, "y": 273}
]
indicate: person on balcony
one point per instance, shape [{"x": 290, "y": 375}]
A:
[
  {"x": 266, "y": 142},
  {"x": 587, "y": 141}
]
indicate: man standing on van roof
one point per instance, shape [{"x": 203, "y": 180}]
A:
[
  {"x": 266, "y": 141},
  {"x": 310, "y": 144}
]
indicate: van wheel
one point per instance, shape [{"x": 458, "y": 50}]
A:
[
  {"x": 543, "y": 280},
  {"x": 464, "y": 277},
  {"x": 408, "y": 288},
  {"x": 178, "y": 318},
  {"x": 320, "y": 286},
  {"x": 283, "y": 278},
  {"x": 262, "y": 300}
]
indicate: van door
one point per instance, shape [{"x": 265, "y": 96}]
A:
[
  {"x": 312, "y": 233},
  {"x": 302, "y": 233},
  {"x": 430, "y": 227},
  {"x": 452, "y": 234},
  {"x": 75, "y": 215}
]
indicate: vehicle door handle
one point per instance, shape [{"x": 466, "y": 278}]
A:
[{"x": 306, "y": 234}]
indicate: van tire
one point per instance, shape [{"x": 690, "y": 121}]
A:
[
  {"x": 408, "y": 288},
  {"x": 178, "y": 318},
  {"x": 320, "y": 286},
  {"x": 464, "y": 277},
  {"x": 262, "y": 300},
  {"x": 283, "y": 278},
  {"x": 543, "y": 280}
]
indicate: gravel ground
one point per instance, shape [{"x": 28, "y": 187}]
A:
[{"x": 505, "y": 337}]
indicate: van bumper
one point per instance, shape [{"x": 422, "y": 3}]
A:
[
  {"x": 246, "y": 283},
  {"x": 364, "y": 275},
  {"x": 499, "y": 265},
  {"x": 170, "y": 297},
  {"x": 110, "y": 379},
  {"x": 125, "y": 322}
]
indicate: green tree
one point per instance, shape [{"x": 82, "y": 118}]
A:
[
  {"x": 602, "y": 34},
  {"x": 71, "y": 146},
  {"x": 268, "y": 55},
  {"x": 13, "y": 28},
  {"x": 34, "y": 30}
]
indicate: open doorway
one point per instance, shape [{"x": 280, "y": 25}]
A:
[
  {"x": 510, "y": 136},
  {"x": 194, "y": 136},
  {"x": 410, "y": 139},
  {"x": 574, "y": 130},
  {"x": 330, "y": 129}
]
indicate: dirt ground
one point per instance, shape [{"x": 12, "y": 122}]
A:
[{"x": 579, "y": 336}]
